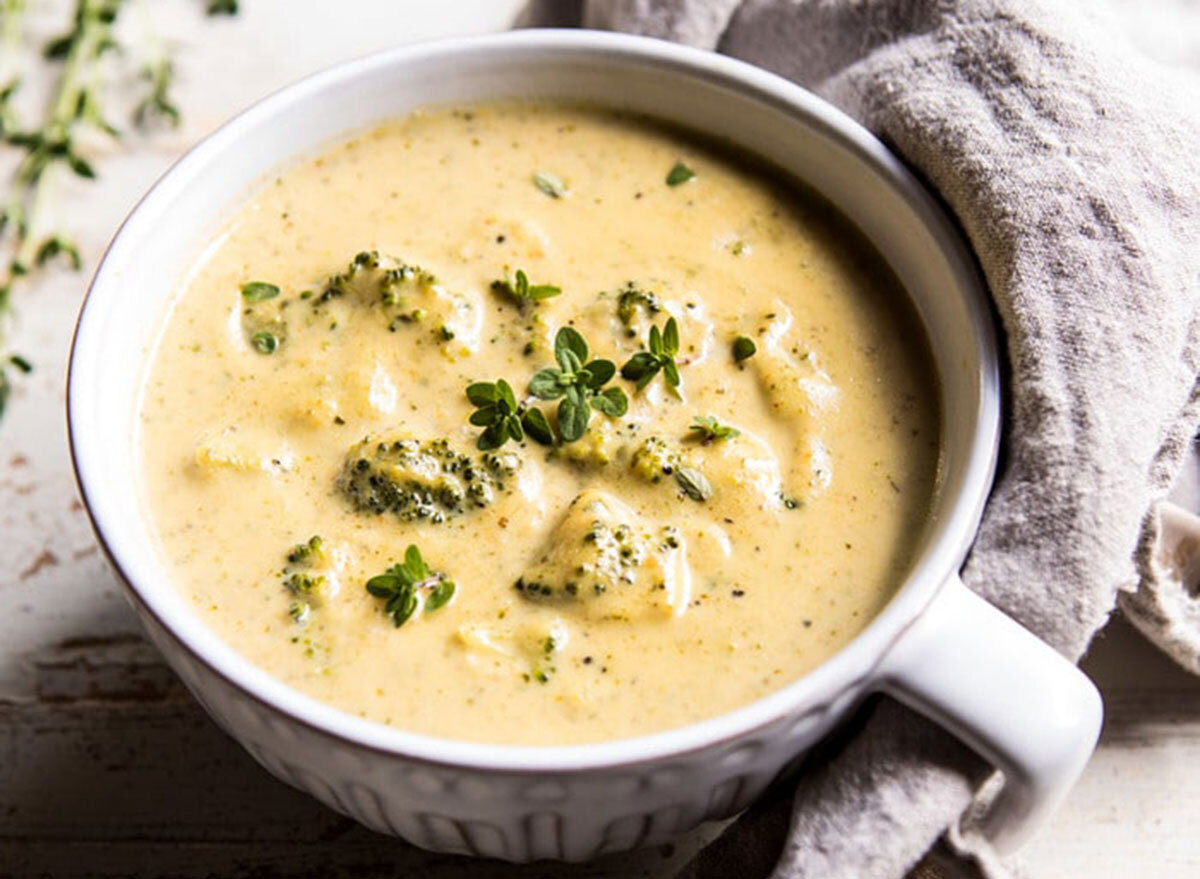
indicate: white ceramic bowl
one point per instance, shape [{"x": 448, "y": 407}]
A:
[{"x": 936, "y": 645}]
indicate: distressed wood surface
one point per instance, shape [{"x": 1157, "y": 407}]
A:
[{"x": 108, "y": 768}]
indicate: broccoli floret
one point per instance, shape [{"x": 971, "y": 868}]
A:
[
  {"x": 406, "y": 294},
  {"x": 631, "y": 298},
  {"x": 306, "y": 577},
  {"x": 309, "y": 554},
  {"x": 656, "y": 458},
  {"x": 309, "y": 591},
  {"x": 373, "y": 278},
  {"x": 428, "y": 481},
  {"x": 604, "y": 559}
]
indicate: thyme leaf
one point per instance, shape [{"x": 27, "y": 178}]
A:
[
  {"x": 259, "y": 291},
  {"x": 679, "y": 174},
  {"x": 550, "y": 184},
  {"x": 743, "y": 348},
  {"x": 265, "y": 342},
  {"x": 693, "y": 483}
]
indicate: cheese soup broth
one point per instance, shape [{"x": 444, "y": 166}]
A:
[{"x": 652, "y": 572}]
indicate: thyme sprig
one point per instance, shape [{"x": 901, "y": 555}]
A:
[
  {"x": 579, "y": 383},
  {"x": 51, "y": 146},
  {"x": 576, "y": 381},
  {"x": 157, "y": 104},
  {"x": 503, "y": 418},
  {"x": 743, "y": 348},
  {"x": 663, "y": 347},
  {"x": 525, "y": 293},
  {"x": 408, "y": 585},
  {"x": 708, "y": 430}
]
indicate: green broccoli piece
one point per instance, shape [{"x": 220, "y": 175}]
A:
[
  {"x": 656, "y": 458},
  {"x": 309, "y": 554},
  {"x": 422, "y": 481},
  {"x": 630, "y": 299},
  {"x": 605, "y": 560},
  {"x": 303, "y": 578},
  {"x": 376, "y": 279}
]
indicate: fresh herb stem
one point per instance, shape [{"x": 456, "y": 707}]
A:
[
  {"x": 12, "y": 13},
  {"x": 157, "y": 105}
]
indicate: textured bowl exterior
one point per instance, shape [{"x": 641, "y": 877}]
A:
[
  {"x": 514, "y": 816},
  {"x": 524, "y": 803}
]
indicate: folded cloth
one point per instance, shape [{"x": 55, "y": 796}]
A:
[{"x": 1072, "y": 162}]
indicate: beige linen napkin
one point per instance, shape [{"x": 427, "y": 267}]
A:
[{"x": 1072, "y": 161}]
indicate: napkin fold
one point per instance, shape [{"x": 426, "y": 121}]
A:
[{"x": 1072, "y": 161}]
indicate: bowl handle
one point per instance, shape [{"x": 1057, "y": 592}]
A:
[{"x": 1006, "y": 694}]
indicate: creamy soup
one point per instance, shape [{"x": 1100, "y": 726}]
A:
[{"x": 537, "y": 424}]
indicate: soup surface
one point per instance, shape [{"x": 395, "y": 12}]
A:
[{"x": 716, "y": 459}]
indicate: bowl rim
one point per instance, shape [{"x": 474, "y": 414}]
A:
[{"x": 846, "y": 669}]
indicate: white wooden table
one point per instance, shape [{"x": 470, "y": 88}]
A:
[{"x": 108, "y": 768}]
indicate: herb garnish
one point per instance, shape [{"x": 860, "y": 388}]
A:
[
  {"x": 157, "y": 105},
  {"x": 21, "y": 364},
  {"x": 550, "y": 184},
  {"x": 693, "y": 483},
  {"x": 519, "y": 288},
  {"x": 50, "y": 145},
  {"x": 401, "y": 587},
  {"x": 264, "y": 342},
  {"x": 496, "y": 411},
  {"x": 643, "y": 366},
  {"x": 259, "y": 291},
  {"x": 710, "y": 430},
  {"x": 580, "y": 385},
  {"x": 222, "y": 7},
  {"x": 440, "y": 596},
  {"x": 502, "y": 418},
  {"x": 679, "y": 173},
  {"x": 55, "y": 245},
  {"x": 743, "y": 348},
  {"x": 631, "y": 299},
  {"x": 578, "y": 382}
]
